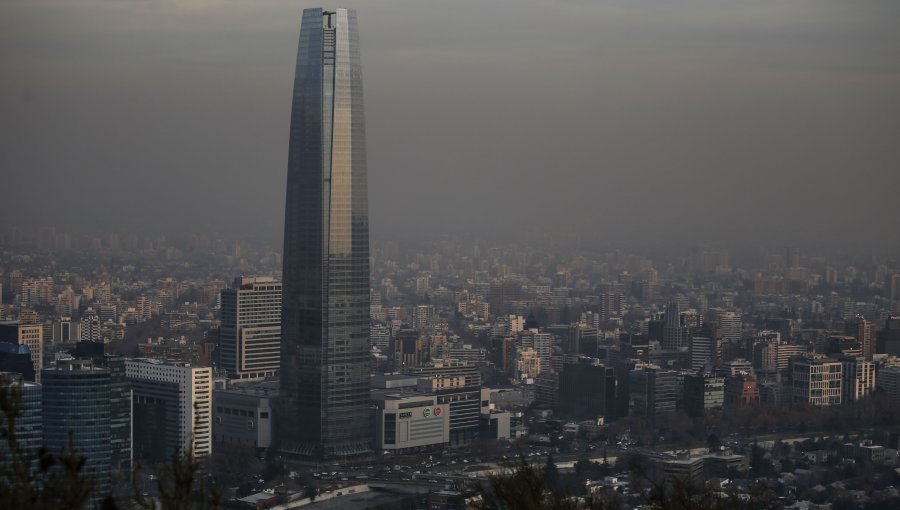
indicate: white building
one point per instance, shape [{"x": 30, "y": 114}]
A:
[
  {"x": 405, "y": 421},
  {"x": 90, "y": 326},
  {"x": 26, "y": 334},
  {"x": 250, "y": 334},
  {"x": 172, "y": 409},
  {"x": 731, "y": 325},
  {"x": 816, "y": 381}
]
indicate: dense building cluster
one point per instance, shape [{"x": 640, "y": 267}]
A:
[{"x": 467, "y": 344}]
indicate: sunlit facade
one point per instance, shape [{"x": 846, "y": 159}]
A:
[{"x": 324, "y": 410}]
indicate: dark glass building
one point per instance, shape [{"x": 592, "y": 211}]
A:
[
  {"x": 29, "y": 425},
  {"x": 587, "y": 390},
  {"x": 76, "y": 401},
  {"x": 324, "y": 410}
]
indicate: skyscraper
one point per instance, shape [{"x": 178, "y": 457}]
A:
[
  {"x": 250, "y": 336},
  {"x": 76, "y": 411},
  {"x": 324, "y": 407},
  {"x": 172, "y": 409}
]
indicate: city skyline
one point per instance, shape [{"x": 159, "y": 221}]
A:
[
  {"x": 763, "y": 122},
  {"x": 611, "y": 249}
]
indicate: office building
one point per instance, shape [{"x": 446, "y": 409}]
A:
[
  {"x": 542, "y": 345},
  {"x": 889, "y": 337},
  {"x": 858, "y": 378},
  {"x": 457, "y": 384},
  {"x": 866, "y": 334},
  {"x": 76, "y": 406},
  {"x": 675, "y": 336},
  {"x": 732, "y": 326},
  {"x": 16, "y": 359},
  {"x": 704, "y": 346},
  {"x": 30, "y": 335},
  {"x": 587, "y": 390},
  {"x": 62, "y": 331},
  {"x": 244, "y": 414},
  {"x": 172, "y": 409},
  {"x": 324, "y": 396},
  {"x": 120, "y": 410},
  {"x": 250, "y": 333},
  {"x": 652, "y": 392},
  {"x": 405, "y": 422},
  {"x": 894, "y": 293},
  {"x": 703, "y": 391},
  {"x": 816, "y": 381},
  {"x": 29, "y": 424},
  {"x": 887, "y": 379}
]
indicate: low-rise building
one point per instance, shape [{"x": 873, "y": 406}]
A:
[
  {"x": 243, "y": 414},
  {"x": 409, "y": 421}
]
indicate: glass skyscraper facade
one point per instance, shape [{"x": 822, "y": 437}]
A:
[
  {"x": 324, "y": 411},
  {"x": 76, "y": 405}
]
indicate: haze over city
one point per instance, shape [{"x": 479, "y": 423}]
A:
[
  {"x": 450, "y": 255},
  {"x": 644, "y": 123}
]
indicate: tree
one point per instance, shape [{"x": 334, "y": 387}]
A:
[
  {"x": 42, "y": 479},
  {"x": 551, "y": 473},
  {"x": 37, "y": 479},
  {"x": 525, "y": 487}
]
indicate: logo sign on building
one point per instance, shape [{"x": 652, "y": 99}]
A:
[{"x": 432, "y": 412}]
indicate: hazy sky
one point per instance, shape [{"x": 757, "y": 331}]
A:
[{"x": 646, "y": 121}]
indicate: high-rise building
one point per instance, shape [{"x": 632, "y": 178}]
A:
[
  {"x": 26, "y": 334},
  {"x": 865, "y": 333},
  {"x": 172, "y": 409},
  {"x": 702, "y": 392},
  {"x": 62, "y": 331},
  {"x": 541, "y": 343},
  {"x": 29, "y": 426},
  {"x": 704, "y": 346},
  {"x": 816, "y": 381},
  {"x": 652, "y": 392},
  {"x": 76, "y": 408},
  {"x": 587, "y": 390},
  {"x": 858, "y": 378},
  {"x": 325, "y": 395},
  {"x": 889, "y": 337},
  {"x": 423, "y": 319},
  {"x": 894, "y": 293},
  {"x": 250, "y": 334},
  {"x": 120, "y": 405},
  {"x": 674, "y": 334},
  {"x": 90, "y": 326},
  {"x": 731, "y": 325}
]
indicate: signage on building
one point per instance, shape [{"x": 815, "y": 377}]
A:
[{"x": 427, "y": 412}]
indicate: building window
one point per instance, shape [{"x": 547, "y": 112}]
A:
[{"x": 390, "y": 429}]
